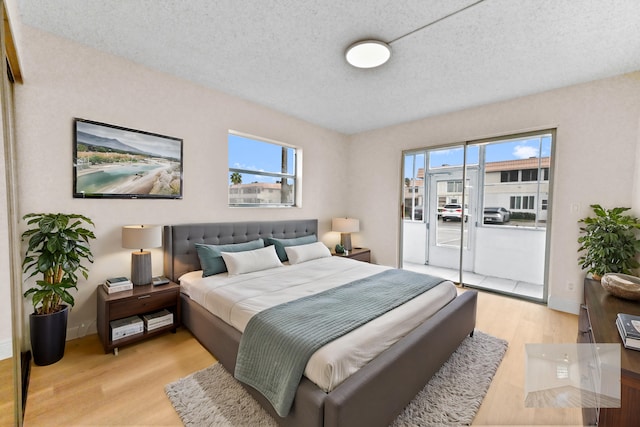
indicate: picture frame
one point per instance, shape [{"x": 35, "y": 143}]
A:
[{"x": 111, "y": 161}]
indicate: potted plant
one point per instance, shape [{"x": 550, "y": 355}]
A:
[
  {"x": 608, "y": 242},
  {"x": 57, "y": 245}
]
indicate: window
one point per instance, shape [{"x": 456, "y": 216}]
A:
[
  {"x": 529, "y": 174},
  {"x": 509, "y": 176},
  {"x": 515, "y": 202},
  {"x": 527, "y": 202},
  {"x": 454, "y": 186},
  {"x": 522, "y": 202},
  {"x": 545, "y": 203},
  {"x": 261, "y": 173}
]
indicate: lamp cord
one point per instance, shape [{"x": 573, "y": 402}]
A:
[{"x": 435, "y": 22}]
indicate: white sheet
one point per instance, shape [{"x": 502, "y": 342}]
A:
[{"x": 236, "y": 299}]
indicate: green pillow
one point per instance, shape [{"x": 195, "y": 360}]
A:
[
  {"x": 281, "y": 243},
  {"x": 211, "y": 255}
]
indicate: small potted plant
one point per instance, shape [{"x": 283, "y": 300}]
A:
[
  {"x": 608, "y": 242},
  {"x": 57, "y": 245}
]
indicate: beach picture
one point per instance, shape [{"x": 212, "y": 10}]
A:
[{"x": 111, "y": 161}]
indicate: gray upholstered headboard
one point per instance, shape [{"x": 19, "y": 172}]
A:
[{"x": 180, "y": 254}]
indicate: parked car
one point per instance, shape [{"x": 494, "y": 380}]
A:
[
  {"x": 496, "y": 215},
  {"x": 453, "y": 211},
  {"x": 417, "y": 213}
]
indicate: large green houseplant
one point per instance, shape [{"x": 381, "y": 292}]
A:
[
  {"x": 57, "y": 245},
  {"x": 608, "y": 242}
]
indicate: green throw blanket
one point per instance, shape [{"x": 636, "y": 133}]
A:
[{"x": 278, "y": 342}]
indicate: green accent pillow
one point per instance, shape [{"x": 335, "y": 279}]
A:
[
  {"x": 281, "y": 243},
  {"x": 211, "y": 255}
]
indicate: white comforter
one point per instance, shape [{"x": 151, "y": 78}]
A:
[{"x": 236, "y": 299}]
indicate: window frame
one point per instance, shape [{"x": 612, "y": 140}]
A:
[{"x": 295, "y": 176}]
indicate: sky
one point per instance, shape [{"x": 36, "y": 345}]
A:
[
  {"x": 247, "y": 153},
  {"x": 505, "y": 150},
  {"x": 149, "y": 143}
]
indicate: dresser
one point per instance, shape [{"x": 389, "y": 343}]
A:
[{"x": 597, "y": 325}]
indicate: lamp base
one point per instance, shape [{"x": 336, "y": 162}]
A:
[
  {"x": 141, "y": 268},
  {"x": 345, "y": 240}
]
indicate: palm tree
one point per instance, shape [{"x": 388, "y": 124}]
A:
[{"x": 236, "y": 178}]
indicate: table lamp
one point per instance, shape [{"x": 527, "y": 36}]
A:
[
  {"x": 345, "y": 226},
  {"x": 141, "y": 237}
]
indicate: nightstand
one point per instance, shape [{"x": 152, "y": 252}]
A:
[
  {"x": 136, "y": 302},
  {"x": 359, "y": 254}
]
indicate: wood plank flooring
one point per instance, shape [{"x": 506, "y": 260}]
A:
[
  {"x": 6, "y": 392},
  {"x": 88, "y": 387}
]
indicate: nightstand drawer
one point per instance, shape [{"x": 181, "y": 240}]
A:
[
  {"x": 359, "y": 254},
  {"x": 141, "y": 303},
  {"x": 364, "y": 256}
]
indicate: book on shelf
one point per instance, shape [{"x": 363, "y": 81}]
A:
[
  {"x": 118, "y": 288},
  {"x": 631, "y": 324},
  {"x": 117, "y": 281},
  {"x": 628, "y": 341},
  {"x": 152, "y": 326},
  {"x": 157, "y": 319}
]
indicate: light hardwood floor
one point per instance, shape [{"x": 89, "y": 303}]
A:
[
  {"x": 88, "y": 387},
  {"x": 6, "y": 392}
]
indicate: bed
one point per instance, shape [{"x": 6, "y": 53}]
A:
[{"x": 371, "y": 396}]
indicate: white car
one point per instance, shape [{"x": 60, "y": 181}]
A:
[
  {"x": 496, "y": 215},
  {"x": 453, "y": 211}
]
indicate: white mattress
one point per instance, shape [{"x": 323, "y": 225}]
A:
[{"x": 236, "y": 299}]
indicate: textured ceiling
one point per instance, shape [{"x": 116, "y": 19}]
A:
[{"x": 289, "y": 54}]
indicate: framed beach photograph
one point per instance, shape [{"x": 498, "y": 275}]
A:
[{"x": 114, "y": 162}]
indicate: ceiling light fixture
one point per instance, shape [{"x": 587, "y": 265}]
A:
[
  {"x": 373, "y": 53},
  {"x": 368, "y": 53}
]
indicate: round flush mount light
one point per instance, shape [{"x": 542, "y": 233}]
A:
[{"x": 368, "y": 53}]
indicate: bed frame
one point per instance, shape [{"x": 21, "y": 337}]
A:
[{"x": 376, "y": 393}]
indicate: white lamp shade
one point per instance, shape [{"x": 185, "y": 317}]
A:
[
  {"x": 141, "y": 236},
  {"x": 345, "y": 225}
]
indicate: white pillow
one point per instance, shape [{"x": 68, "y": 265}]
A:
[
  {"x": 302, "y": 253},
  {"x": 249, "y": 261}
]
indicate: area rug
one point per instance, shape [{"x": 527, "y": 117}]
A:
[{"x": 212, "y": 397}]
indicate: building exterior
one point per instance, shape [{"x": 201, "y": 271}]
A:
[{"x": 521, "y": 186}]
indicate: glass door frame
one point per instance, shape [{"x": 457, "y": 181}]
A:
[{"x": 481, "y": 143}]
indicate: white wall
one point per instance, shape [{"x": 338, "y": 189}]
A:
[
  {"x": 595, "y": 162},
  {"x": 415, "y": 242},
  {"x": 64, "y": 80},
  {"x": 510, "y": 253}
]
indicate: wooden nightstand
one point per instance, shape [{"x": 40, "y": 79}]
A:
[
  {"x": 360, "y": 254},
  {"x": 138, "y": 301}
]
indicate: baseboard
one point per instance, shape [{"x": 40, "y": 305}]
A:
[
  {"x": 6, "y": 349},
  {"x": 561, "y": 304},
  {"x": 81, "y": 330}
]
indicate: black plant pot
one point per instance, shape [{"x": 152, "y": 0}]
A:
[{"x": 48, "y": 336}]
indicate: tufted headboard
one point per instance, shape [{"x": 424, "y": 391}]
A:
[{"x": 180, "y": 254}]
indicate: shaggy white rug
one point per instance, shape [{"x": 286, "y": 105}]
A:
[{"x": 212, "y": 397}]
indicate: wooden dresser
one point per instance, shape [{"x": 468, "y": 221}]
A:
[{"x": 597, "y": 325}]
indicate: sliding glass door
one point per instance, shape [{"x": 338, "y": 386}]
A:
[{"x": 479, "y": 212}]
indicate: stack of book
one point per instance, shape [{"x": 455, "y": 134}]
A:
[
  {"x": 117, "y": 284},
  {"x": 157, "y": 320},
  {"x": 125, "y": 327},
  {"x": 629, "y": 329}
]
